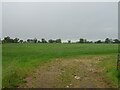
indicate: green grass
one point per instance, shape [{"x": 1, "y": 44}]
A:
[
  {"x": 108, "y": 65},
  {"x": 19, "y": 60}
]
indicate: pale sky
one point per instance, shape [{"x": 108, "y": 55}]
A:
[{"x": 65, "y": 20}]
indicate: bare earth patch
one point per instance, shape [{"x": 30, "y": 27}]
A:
[{"x": 68, "y": 73}]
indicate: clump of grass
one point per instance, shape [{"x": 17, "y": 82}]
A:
[
  {"x": 109, "y": 67},
  {"x": 13, "y": 79}
]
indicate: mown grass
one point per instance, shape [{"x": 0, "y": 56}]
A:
[{"x": 20, "y": 60}]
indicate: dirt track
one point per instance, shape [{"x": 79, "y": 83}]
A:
[{"x": 68, "y": 73}]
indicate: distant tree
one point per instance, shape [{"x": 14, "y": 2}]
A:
[
  {"x": 99, "y": 41},
  {"x": 30, "y": 40},
  {"x": 11, "y": 41},
  {"x": 116, "y": 41},
  {"x": 107, "y": 40},
  {"x": 21, "y": 41},
  {"x": 7, "y": 40},
  {"x": 58, "y": 40},
  {"x": 88, "y": 41},
  {"x": 43, "y": 40},
  {"x": 69, "y": 41},
  {"x": 35, "y": 40},
  {"x": 51, "y": 41},
  {"x": 16, "y": 40},
  {"x": 39, "y": 42},
  {"x": 81, "y": 40}
]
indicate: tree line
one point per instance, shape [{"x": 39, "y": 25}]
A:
[{"x": 35, "y": 40}]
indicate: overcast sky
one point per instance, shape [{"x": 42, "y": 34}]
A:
[{"x": 70, "y": 20}]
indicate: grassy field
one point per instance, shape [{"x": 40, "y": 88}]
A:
[{"x": 20, "y": 60}]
